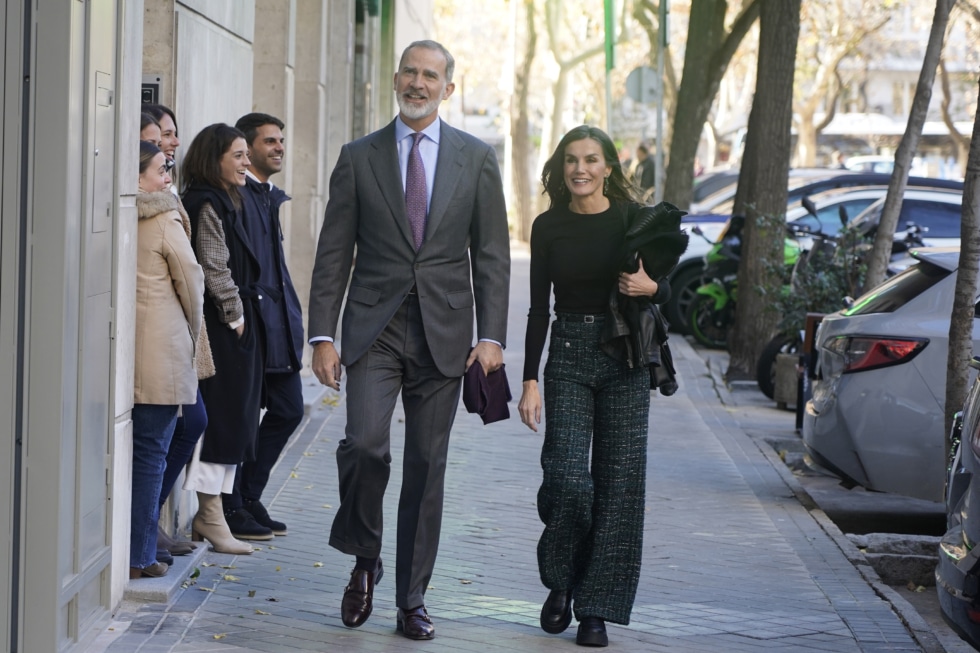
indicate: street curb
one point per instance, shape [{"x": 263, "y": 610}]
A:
[{"x": 917, "y": 626}]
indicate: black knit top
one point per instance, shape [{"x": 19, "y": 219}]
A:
[{"x": 580, "y": 255}]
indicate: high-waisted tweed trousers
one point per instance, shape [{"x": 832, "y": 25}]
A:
[{"x": 593, "y": 514}]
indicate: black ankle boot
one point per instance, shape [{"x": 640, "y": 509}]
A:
[
  {"x": 556, "y": 613},
  {"x": 244, "y": 527},
  {"x": 591, "y": 632},
  {"x": 261, "y": 515}
]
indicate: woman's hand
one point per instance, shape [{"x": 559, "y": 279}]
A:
[
  {"x": 530, "y": 405},
  {"x": 637, "y": 284}
]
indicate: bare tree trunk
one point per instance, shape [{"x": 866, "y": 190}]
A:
[
  {"x": 709, "y": 50},
  {"x": 882, "y": 250},
  {"x": 523, "y": 201},
  {"x": 806, "y": 141},
  {"x": 961, "y": 144},
  {"x": 761, "y": 194},
  {"x": 553, "y": 22},
  {"x": 961, "y": 320}
]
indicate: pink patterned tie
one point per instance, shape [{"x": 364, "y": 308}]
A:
[{"x": 415, "y": 195}]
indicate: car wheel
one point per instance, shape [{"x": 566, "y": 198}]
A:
[
  {"x": 682, "y": 292},
  {"x": 765, "y": 371}
]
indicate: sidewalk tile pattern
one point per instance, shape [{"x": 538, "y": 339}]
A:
[{"x": 732, "y": 561}]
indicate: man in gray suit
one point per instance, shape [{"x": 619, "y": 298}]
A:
[{"x": 423, "y": 204}]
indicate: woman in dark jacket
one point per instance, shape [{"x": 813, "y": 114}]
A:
[
  {"x": 589, "y": 553},
  {"x": 213, "y": 170}
]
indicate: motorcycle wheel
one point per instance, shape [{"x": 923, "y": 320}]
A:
[
  {"x": 708, "y": 326},
  {"x": 683, "y": 287},
  {"x": 765, "y": 371}
]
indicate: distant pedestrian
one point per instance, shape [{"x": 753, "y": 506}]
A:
[
  {"x": 589, "y": 553},
  {"x": 644, "y": 175},
  {"x": 626, "y": 161}
]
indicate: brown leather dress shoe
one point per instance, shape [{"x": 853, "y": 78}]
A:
[
  {"x": 415, "y": 624},
  {"x": 156, "y": 570},
  {"x": 358, "y": 600}
]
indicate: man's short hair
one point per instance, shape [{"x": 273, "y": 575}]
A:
[
  {"x": 249, "y": 124},
  {"x": 428, "y": 44}
]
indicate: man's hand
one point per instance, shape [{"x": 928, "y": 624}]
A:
[
  {"x": 326, "y": 364},
  {"x": 490, "y": 355},
  {"x": 530, "y": 405}
]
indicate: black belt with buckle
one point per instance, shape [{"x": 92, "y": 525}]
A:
[
  {"x": 577, "y": 317},
  {"x": 414, "y": 290}
]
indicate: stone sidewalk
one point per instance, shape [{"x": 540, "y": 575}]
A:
[{"x": 733, "y": 560}]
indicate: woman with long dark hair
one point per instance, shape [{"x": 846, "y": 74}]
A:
[
  {"x": 589, "y": 553},
  {"x": 213, "y": 170}
]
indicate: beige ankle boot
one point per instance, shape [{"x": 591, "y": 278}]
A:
[{"x": 209, "y": 523}]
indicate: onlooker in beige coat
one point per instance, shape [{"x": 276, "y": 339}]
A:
[{"x": 169, "y": 306}]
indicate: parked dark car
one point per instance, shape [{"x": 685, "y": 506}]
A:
[{"x": 958, "y": 569}]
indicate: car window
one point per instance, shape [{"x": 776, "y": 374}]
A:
[
  {"x": 940, "y": 218},
  {"x": 829, "y": 216},
  {"x": 899, "y": 290}
]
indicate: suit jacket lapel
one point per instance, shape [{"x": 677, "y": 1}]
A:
[
  {"x": 448, "y": 169},
  {"x": 384, "y": 164}
]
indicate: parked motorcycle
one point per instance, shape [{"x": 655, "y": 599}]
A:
[{"x": 712, "y": 312}]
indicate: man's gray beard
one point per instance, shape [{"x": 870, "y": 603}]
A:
[{"x": 414, "y": 112}]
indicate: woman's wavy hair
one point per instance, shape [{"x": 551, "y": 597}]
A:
[
  {"x": 553, "y": 175},
  {"x": 147, "y": 151},
  {"x": 202, "y": 162}
]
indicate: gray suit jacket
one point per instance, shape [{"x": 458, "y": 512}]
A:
[{"x": 464, "y": 260}]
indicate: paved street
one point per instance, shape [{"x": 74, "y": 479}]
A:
[{"x": 733, "y": 561}]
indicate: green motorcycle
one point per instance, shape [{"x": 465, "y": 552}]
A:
[{"x": 712, "y": 311}]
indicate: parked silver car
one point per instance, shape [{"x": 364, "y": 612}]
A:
[
  {"x": 958, "y": 569},
  {"x": 876, "y": 416}
]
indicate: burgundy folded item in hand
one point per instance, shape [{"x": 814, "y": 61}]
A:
[{"x": 486, "y": 394}]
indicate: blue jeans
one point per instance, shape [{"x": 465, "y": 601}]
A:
[
  {"x": 153, "y": 426},
  {"x": 190, "y": 426}
]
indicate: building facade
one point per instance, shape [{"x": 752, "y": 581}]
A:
[{"x": 74, "y": 74}]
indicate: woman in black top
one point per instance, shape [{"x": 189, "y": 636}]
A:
[{"x": 589, "y": 553}]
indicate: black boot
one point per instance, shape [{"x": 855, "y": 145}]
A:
[
  {"x": 261, "y": 515},
  {"x": 244, "y": 527},
  {"x": 556, "y": 613},
  {"x": 591, "y": 632}
]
